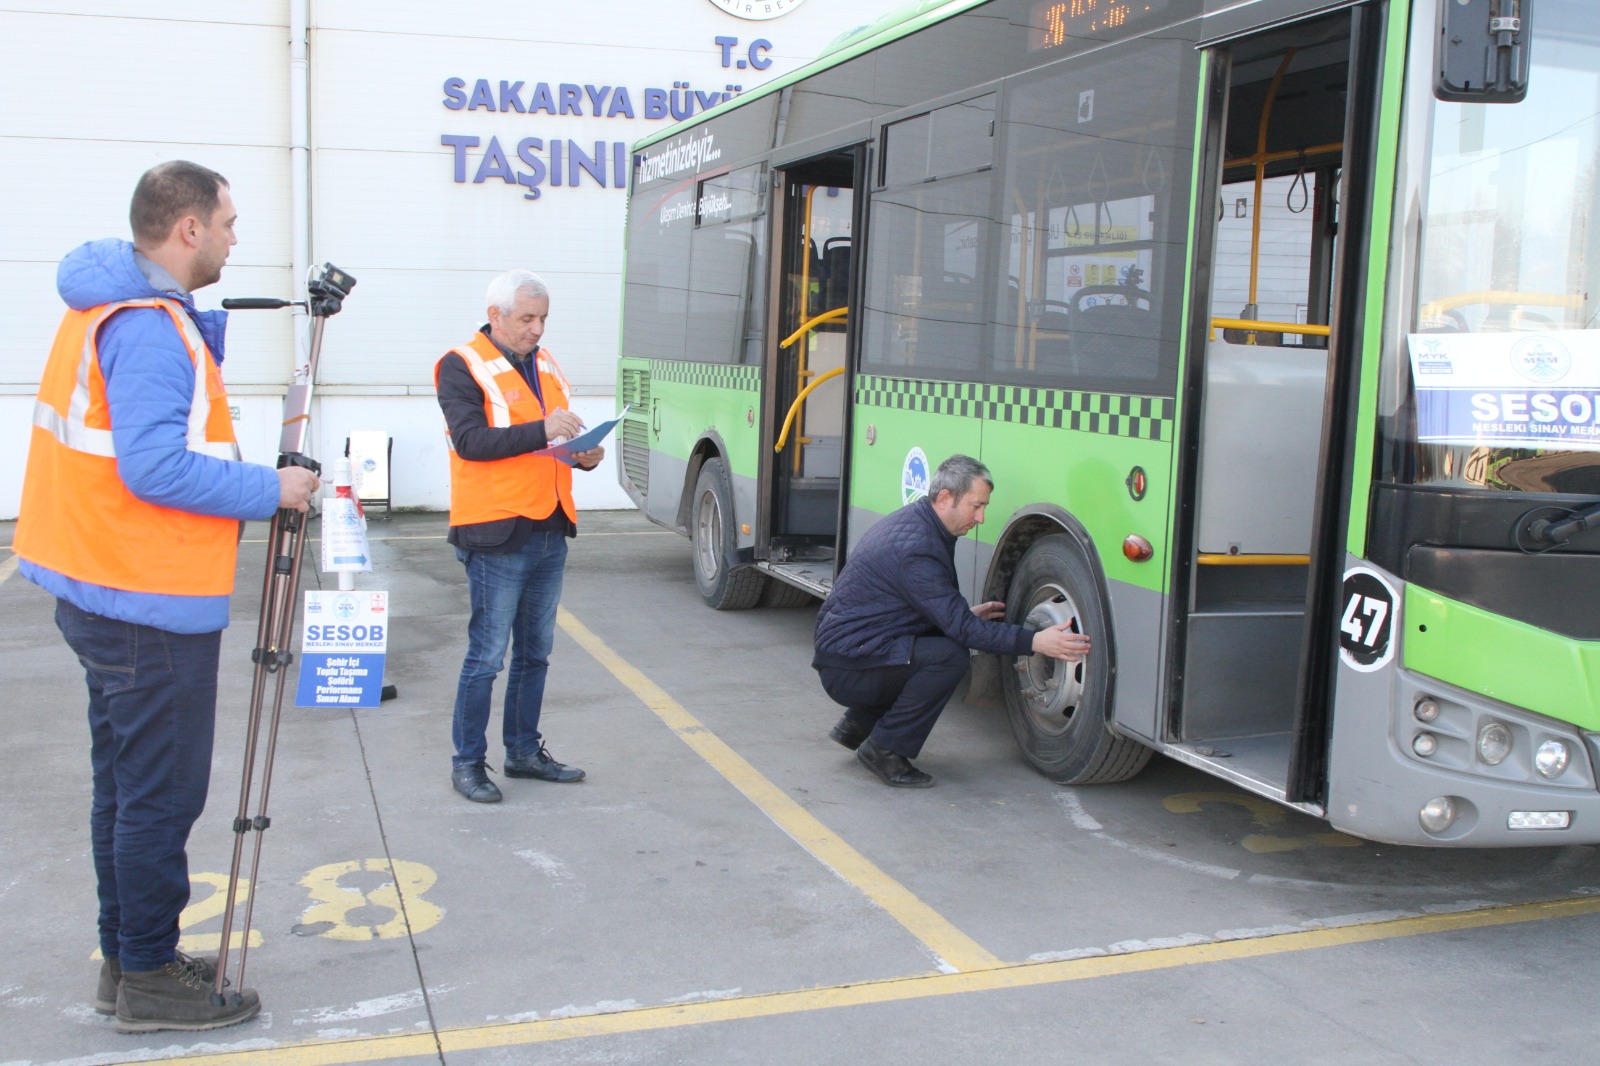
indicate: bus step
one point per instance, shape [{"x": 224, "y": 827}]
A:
[{"x": 813, "y": 577}]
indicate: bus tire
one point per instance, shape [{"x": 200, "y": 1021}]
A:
[
  {"x": 1058, "y": 709},
  {"x": 724, "y": 588}
]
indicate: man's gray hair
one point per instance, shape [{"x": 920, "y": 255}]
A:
[
  {"x": 956, "y": 475},
  {"x": 503, "y": 290}
]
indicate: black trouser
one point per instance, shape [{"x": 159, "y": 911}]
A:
[{"x": 900, "y": 703}]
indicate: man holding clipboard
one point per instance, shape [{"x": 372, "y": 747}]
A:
[{"x": 510, "y": 432}]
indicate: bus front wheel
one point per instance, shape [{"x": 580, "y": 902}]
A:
[
  {"x": 724, "y": 588},
  {"x": 1058, "y": 709}
]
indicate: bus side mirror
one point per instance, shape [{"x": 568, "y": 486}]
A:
[{"x": 1481, "y": 55}]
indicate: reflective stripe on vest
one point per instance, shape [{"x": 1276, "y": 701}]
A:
[
  {"x": 77, "y": 517},
  {"x": 73, "y": 429},
  {"x": 529, "y": 485}
]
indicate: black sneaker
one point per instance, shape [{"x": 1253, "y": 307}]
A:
[
  {"x": 179, "y": 996},
  {"x": 542, "y": 766},
  {"x": 894, "y": 770},
  {"x": 473, "y": 782}
]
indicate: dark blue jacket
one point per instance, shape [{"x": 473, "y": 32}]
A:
[{"x": 900, "y": 584}]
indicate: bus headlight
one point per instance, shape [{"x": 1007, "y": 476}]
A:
[
  {"x": 1494, "y": 743},
  {"x": 1424, "y": 744},
  {"x": 1426, "y": 710},
  {"x": 1551, "y": 758},
  {"x": 1437, "y": 814}
]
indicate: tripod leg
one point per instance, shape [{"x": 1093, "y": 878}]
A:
[{"x": 272, "y": 655}]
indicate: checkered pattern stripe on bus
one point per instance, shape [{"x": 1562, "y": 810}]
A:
[
  {"x": 708, "y": 375},
  {"x": 1143, "y": 417}
]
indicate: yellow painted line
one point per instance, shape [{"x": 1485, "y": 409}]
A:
[
  {"x": 894, "y": 990},
  {"x": 949, "y": 944}
]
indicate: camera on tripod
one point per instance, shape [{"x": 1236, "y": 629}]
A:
[
  {"x": 327, "y": 289},
  {"x": 325, "y": 292}
]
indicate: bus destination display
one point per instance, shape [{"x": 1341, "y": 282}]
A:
[{"x": 1055, "y": 22}]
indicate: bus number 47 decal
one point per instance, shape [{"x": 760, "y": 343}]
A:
[{"x": 1367, "y": 626}]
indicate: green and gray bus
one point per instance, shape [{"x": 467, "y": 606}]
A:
[{"x": 1276, "y": 322}]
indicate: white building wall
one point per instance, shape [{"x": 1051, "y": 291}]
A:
[{"x": 165, "y": 79}]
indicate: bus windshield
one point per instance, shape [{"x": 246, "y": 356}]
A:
[{"x": 1496, "y": 371}]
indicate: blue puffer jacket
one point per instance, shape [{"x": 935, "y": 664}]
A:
[
  {"x": 899, "y": 584},
  {"x": 149, "y": 387}
]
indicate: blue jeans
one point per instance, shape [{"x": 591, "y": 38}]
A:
[
  {"x": 514, "y": 599},
  {"x": 152, "y": 718}
]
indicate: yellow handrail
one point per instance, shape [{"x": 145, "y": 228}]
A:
[
  {"x": 1261, "y": 171},
  {"x": 826, "y": 316},
  {"x": 1218, "y": 559},
  {"x": 794, "y": 408},
  {"x": 1434, "y": 308},
  {"x": 1308, "y": 329}
]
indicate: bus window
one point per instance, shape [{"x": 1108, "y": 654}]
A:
[
  {"x": 726, "y": 305},
  {"x": 657, "y": 297},
  {"x": 1093, "y": 218},
  {"x": 1508, "y": 250},
  {"x": 924, "y": 310}
]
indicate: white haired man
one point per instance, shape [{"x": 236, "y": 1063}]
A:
[{"x": 511, "y": 512}]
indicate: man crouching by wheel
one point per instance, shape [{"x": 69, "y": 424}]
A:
[{"x": 893, "y": 637}]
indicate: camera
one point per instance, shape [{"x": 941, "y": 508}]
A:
[
  {"x": 335, "y": 279},
  {"x": 327, "y": 289}
]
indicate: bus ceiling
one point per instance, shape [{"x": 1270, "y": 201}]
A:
[{"x": 1481, "y": 56}]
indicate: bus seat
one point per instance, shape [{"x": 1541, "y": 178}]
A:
[
  {"x": 1116, "y": 340},
  {"x": 835, "y": 272},
  {"x": 1052, "y": 344}
]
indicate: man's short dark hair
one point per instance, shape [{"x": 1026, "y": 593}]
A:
[
  {"x": 168, "y": 192},
  {"x": 956, "y": 475}
]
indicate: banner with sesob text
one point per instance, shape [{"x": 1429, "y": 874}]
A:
[
  {"x": 1508, "y": 390},
  {"x": 344, "y": 639}
]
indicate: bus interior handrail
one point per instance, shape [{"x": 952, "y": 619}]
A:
[
  {"x": 1435, "y": 308},
  {"x": 813, "y": 323},
  {"x": 1254, "y": 325},
  {"x": 794, "y": 408}
]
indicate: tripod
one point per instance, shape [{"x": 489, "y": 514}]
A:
[{"x": 325, "y": 293}]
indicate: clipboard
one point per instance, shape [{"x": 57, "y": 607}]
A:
[{"x": 583, "y": 441}]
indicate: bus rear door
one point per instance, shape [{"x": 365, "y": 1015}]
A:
[{"x": 808, "y": 372}]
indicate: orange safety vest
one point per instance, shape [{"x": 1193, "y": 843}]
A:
[
  {"x": 78, "y": 518},
  {"x": 527, "y": 485}
]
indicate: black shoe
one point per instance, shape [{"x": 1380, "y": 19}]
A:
[
  {"x": 894, "y": 770},
  {"x": 848, "y": 732},
  {"x": 542, "y": 766},
  {"x": 473, "y": 782}
]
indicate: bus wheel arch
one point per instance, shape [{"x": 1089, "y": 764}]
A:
[
  {"x": 707, "y": 447},
  {"x": 1060, "y": 712},
  {"x": 724, "y": 585}
]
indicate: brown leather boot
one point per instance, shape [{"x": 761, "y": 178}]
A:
[{"x": 179, "y": 996}]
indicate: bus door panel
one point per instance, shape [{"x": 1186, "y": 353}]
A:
[
  {"x": 808, "y": 366},
  {"x": 1264, "y": 377}
]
